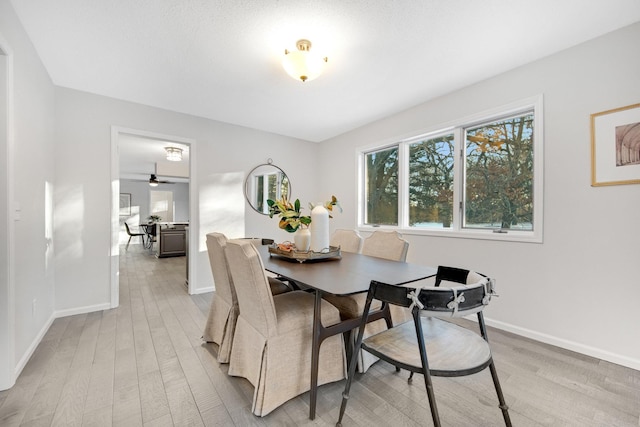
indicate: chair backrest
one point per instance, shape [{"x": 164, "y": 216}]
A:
[
  {"x": 126, "y": 226},
  {"x": 456, "y": 275},
  {"x": 348, "y": 240},
  {"x": 443, "y": 301},
  {"x": 216, "y": 243},
  {"x": 252, "y": 286},
  {"x": 387, "y": 245}
]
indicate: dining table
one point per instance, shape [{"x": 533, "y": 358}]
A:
[
  {"x": 150, "y": 232},
  {"x": 345, "y": 274}
]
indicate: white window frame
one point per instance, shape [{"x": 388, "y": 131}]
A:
[{"x": 457, "y": 127}]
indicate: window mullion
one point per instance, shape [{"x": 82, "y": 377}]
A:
[
  {"x": 458, "y": 179},
  {"x": 403, "y": 185}
]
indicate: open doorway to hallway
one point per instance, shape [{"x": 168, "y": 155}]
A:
[{"x": 153, "y": 194}]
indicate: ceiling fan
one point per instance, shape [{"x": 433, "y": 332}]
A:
[{"x": 153, "y": 181}]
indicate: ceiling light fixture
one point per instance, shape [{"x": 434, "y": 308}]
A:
[
  {"x": 153, "y": 181},
  {"x": 302, "y": 64},
  {"x": 174, "y": 154}
]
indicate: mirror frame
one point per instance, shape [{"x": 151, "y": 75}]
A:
[{"x": 250, "y": 175}]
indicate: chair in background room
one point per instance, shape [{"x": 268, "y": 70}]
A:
[
  {"x": 273, "y": 337},
  {"x": 381, "y": 244},
  {"x": 347, "y": 240},
  {"x": 221, "y": 322},
  {"x": 430, "y": 345},
  {"x": 132, "y": 235}
]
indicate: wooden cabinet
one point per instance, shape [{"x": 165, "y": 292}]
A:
[{"x": 172, "y": 240}]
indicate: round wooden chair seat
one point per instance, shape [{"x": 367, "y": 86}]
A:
[{"x": 452, "y": 349}]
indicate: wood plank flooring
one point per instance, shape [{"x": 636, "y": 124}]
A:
[{"x": 144, "y": 364}]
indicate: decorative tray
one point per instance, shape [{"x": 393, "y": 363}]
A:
[{"x": 301, "y": 256}]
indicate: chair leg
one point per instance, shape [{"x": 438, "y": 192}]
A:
[
  {"x": 352, "y": 371},
  {"x": 388, "y": 321},
  {"x": 503, "y": 405},
  {"x": 354, "y": 361},
  {"x": 494, "y": 374},
  {"x": 426, "y": 373},
  {"x": 348, "y": 346}
]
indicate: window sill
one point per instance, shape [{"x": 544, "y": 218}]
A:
[{"x": 507, "y": 236}]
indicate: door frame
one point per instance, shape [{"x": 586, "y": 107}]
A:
[{"x": 114, "y": 251}]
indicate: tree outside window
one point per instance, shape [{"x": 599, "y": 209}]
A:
[
  {"x": 499, "y": 174},
  {"x": 431, "y": 182},
  {"x": 381, "y": 171},
  {"x": 481, "y": 177}
]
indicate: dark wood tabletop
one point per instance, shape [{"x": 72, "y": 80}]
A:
[{"x": 350, "y": 274}]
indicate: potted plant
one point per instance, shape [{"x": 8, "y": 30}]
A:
[
  {"x": 152, "y": 219},
  {"x": 292, "y": 220}
]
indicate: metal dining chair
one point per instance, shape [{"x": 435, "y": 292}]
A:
[
  {"x": 132, "y": 235},
  {"x": 431, "y": 345}
]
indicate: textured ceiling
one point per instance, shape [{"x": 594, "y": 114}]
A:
[{"x": 221, "y": 59}]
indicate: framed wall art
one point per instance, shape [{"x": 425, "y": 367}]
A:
[
  {"x": 615, "y": 146},
  {"x": 125, "y": 204}
]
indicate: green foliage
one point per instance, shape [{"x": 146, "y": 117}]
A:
[
  {"x": 498, "y": 178},
  {"x": 154, "y": 218},
  {"x": 291, "y": 217}
]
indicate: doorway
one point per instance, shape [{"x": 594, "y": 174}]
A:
[{"x": 149, "y": 146}]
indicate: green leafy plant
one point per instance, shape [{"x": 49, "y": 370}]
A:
[
  {"x": 291, "y": 217},
  {"x": 154, "y": 218}
]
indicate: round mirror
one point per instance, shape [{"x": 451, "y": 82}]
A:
[{"x": 265, "y": 181}]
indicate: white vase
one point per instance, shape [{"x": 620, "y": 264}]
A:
[
  {"x": 302, "y": 239},
  {"x": 319, "y": 229}
]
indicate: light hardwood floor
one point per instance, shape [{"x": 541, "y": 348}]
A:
[{"x": 144, "y": 364}]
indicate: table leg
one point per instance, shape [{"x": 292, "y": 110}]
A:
[
  {"x": 320, "y": 333},
  {"x": 315, "y": 353}
]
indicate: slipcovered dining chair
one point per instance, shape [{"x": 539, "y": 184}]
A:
[
  {"x": 273, "y": 337},
  {"x": 381, "y": 244},
  {"x": 223, "y": 313},
  {"x": 277, "y": 284},
  {"x": 429, "y": 344},
  {"x": 347, "y": 240}
]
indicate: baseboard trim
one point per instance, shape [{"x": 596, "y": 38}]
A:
[
  {"x": 45, "y": 328},
  {"x": 32, "y": 348},
  {"x": 566, "y": 344},
  {"x": 202, "y": 290},
  {"x": 82, "y": 310}
]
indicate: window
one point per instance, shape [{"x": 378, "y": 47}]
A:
[
  {"x": 499, "y": 174},
  {"x": 480, "y": 177},
  {"x": 431, "y": 162},
  {"x": 381, "y": 170}
]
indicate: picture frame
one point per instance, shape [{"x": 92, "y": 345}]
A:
[
  {"x": 125, "y": 204},
  {"x": 615, "y": 146}
]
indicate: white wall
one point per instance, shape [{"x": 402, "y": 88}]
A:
[
  {"x": 29, "y": 155},
  {"x": 580, "y": 288},
  {"x": 225, "y": 153}
]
